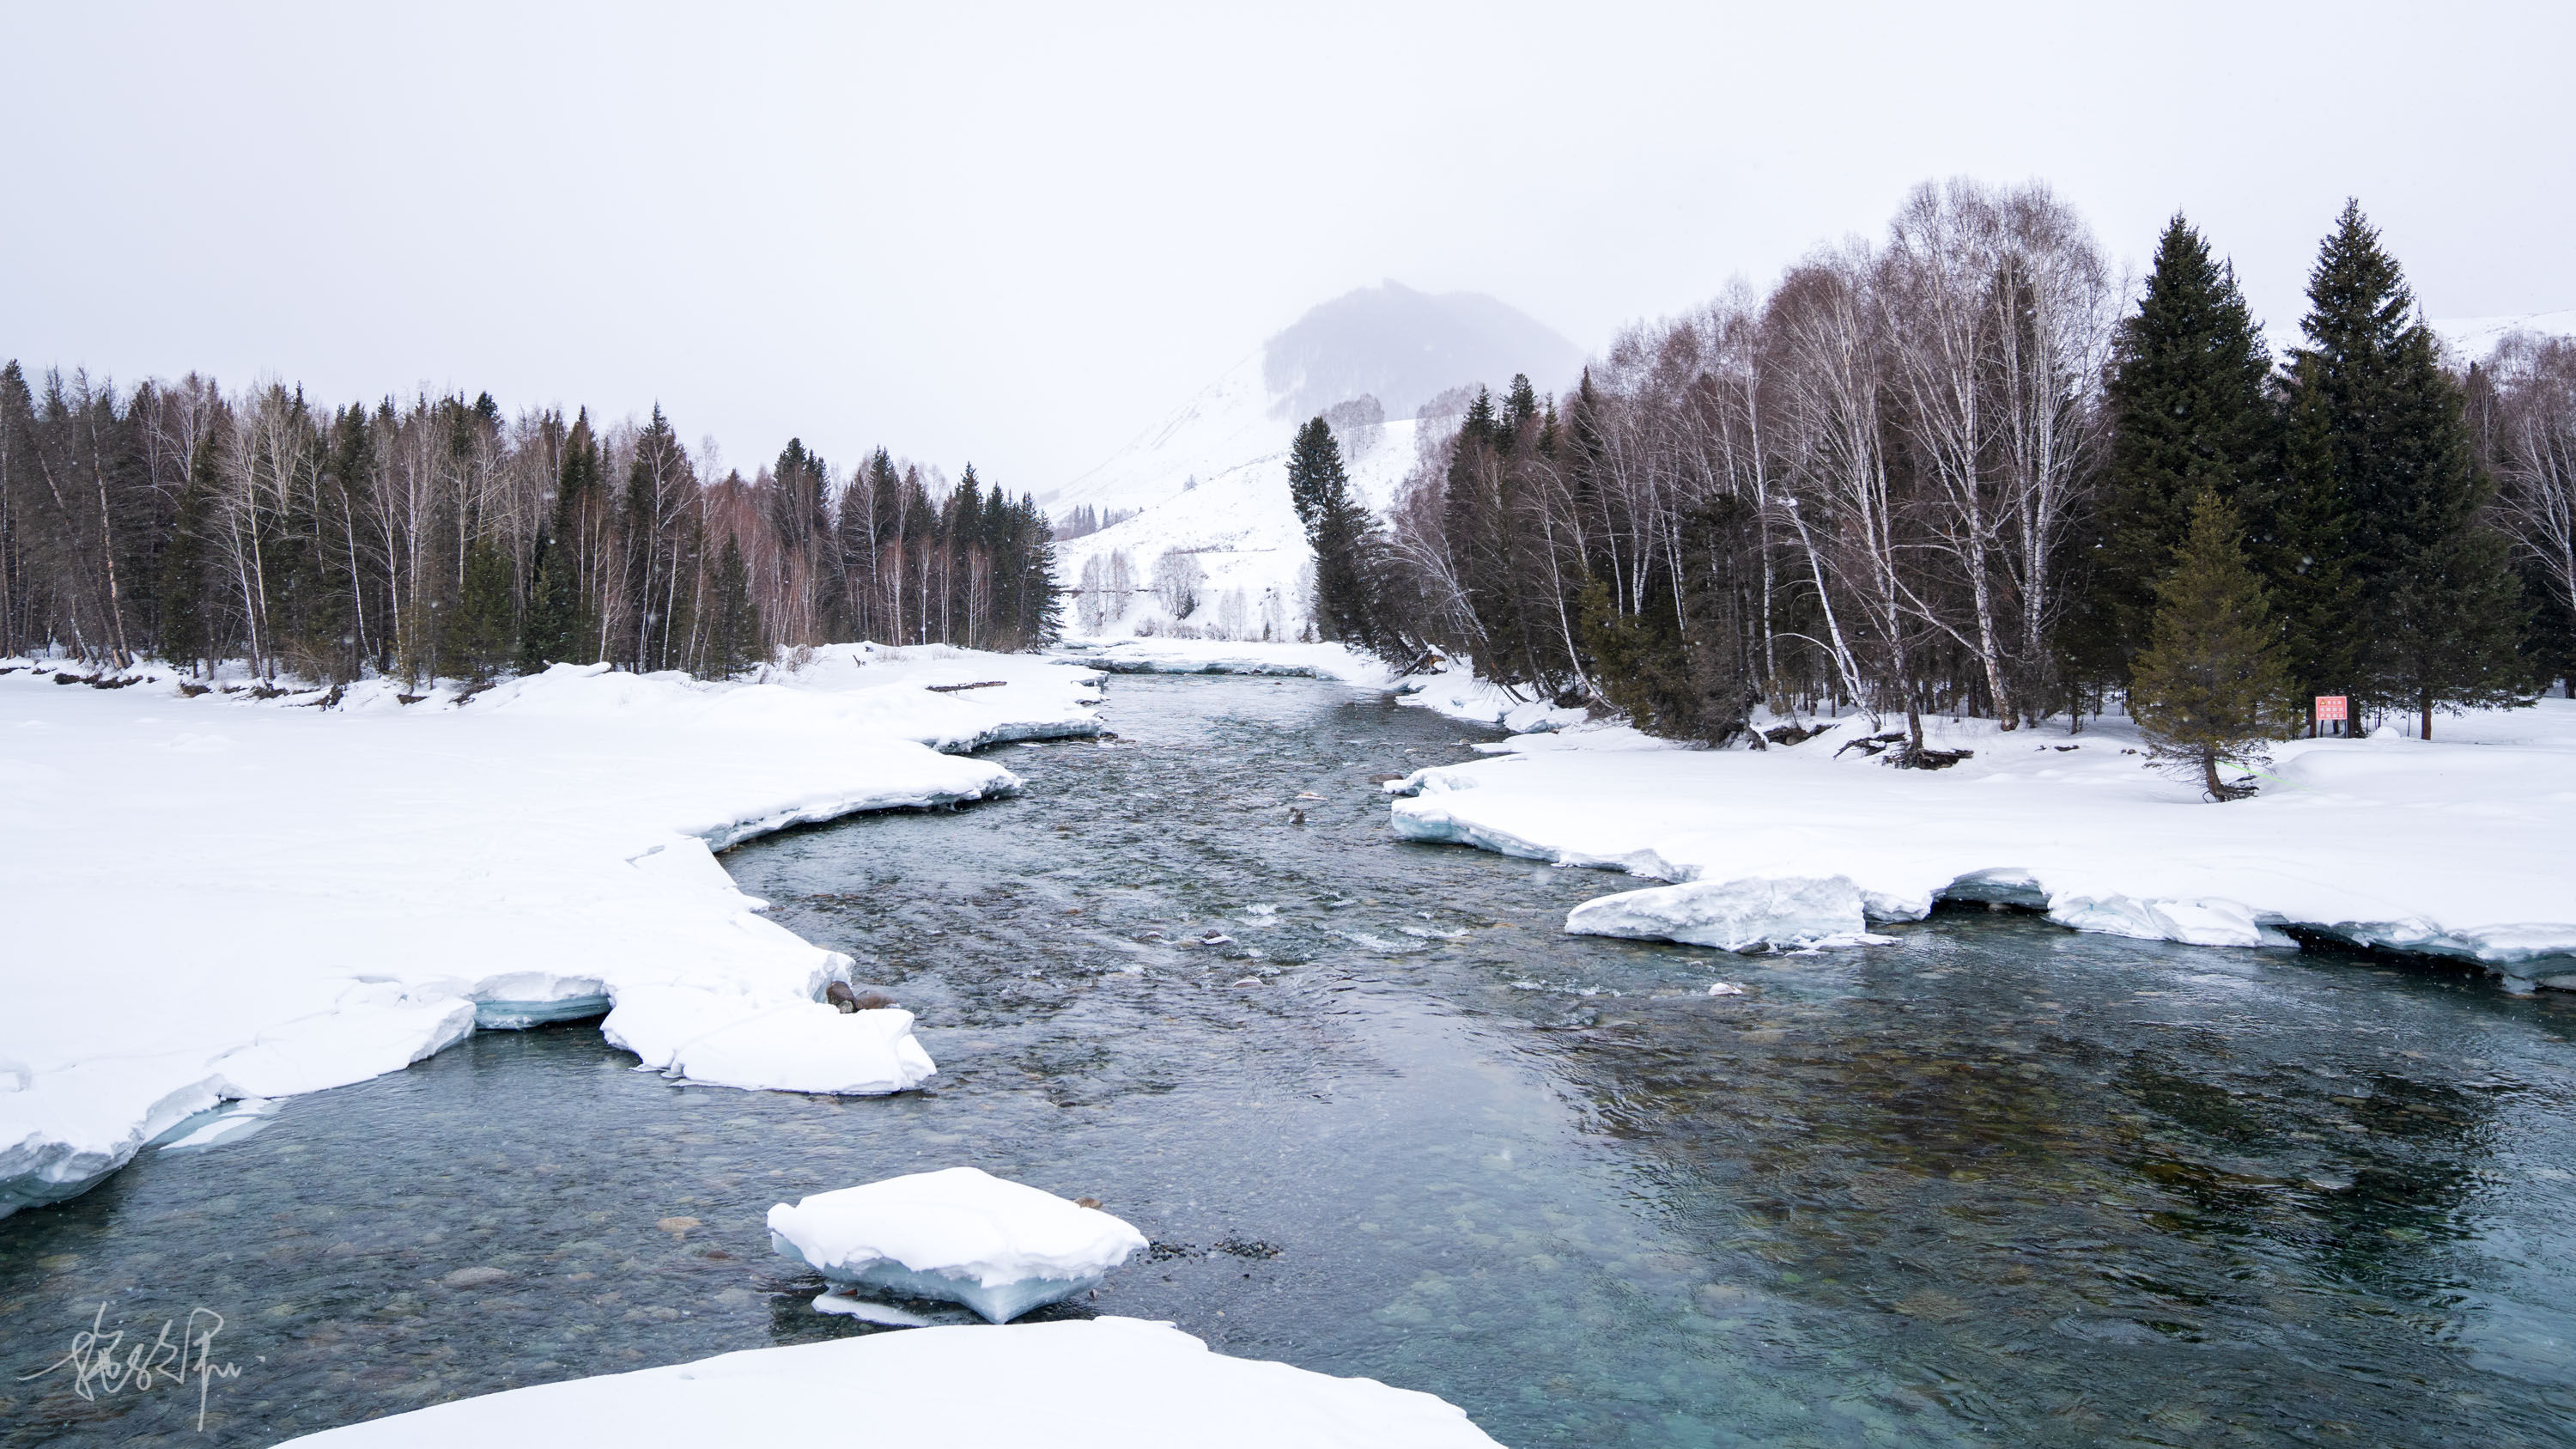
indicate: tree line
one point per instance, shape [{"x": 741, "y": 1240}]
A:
[
  {"x": 1951, "y": 472},
  {"x": 438, "y": 538}
]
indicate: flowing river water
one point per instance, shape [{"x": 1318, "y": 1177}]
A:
[{"x": 1996, "y": 1183}]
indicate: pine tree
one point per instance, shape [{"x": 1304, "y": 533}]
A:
[
  {"x": 733, "y": 640},
  {"x": 2190, "y": 413},
  {"x": 2382, "y": 476},
  {"x": 2211, "y": 685},
  {"x": 554, "y": 632},
  {"x": 1343, "y": 536},
  {"x": 185, "y": 637},
  {"x": 484, "y": 633}
]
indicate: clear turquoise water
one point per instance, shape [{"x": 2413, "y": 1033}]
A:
[{"x": 1997, "y": 1183}]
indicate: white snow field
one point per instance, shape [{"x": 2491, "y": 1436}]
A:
[
  {"x": 1212, "y": 482},
  {"x": 219, "y": 897},
  {"x": 1448, "y": 687},
  {"x": 1211, "y": 479},
  {"x": 1100, "y": 1383},
  {"x": 2455, "y": 847},
  {"x": 958, "y": 1234}
]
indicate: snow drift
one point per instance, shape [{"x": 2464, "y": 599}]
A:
[
  {"x": 1102, "y": 1383},
  {"x": 2452, "y": 847},
  {"x": 218, "y": 898},
  {"x": 963, "y": 1235}
]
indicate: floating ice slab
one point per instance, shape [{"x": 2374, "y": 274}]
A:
[
  {"x": 1102, "y": 1383},
  {"x": 1734, "y": 915},
  {"x": 961, "y": 1234},
  {"x": 806, "y": 1046}
]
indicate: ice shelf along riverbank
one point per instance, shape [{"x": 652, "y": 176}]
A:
[
  {"x": 2454, "y": 847},
  {"x": 224, "y": 897}
]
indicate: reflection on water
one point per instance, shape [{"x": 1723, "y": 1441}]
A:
[{"x": 1996, "y": 1183}]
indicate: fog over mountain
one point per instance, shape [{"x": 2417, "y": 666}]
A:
[{"x": 1403, "y": 347}]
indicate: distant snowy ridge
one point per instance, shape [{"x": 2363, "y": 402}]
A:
[
  {"x": 1209, "y": 483},
  {"x": 218, "y": 898},
  {"x": 2452, "y": 848},
  {"x": 2471, "y": 339}
]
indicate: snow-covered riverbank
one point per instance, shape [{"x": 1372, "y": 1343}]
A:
[
  {"x": 222, "y": 897},
  {"x": 1114, "y": 1383},
  {"x": 1449, "y": 686},
  {"x": 2455, "y": 847}
]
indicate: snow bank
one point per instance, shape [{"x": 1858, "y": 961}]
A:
[
  {"x": 1001, "y": 1248},
  {"x": 1734, "y": 915},
  {"x": 2453, "y": 847},
  {"x": 1214, "y": 656},
  {"x": 1103, "y": 1383},
  {"x": 220, "y": 897},
  {"x": 805, "y": 1046}
]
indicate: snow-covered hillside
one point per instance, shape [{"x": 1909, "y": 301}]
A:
[
  {"x": 1209, "y": 484},
  {"x": 2472, "y": 338}
]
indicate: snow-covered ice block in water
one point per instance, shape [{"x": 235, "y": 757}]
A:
[
  {"x": 1734, "y": 915},
  {"x": 1999, "y": 886},
  {"x": 961, "y": 1234},
  {"x": 806, "y": 1046},
  {"x": 517, "y": 1000},
  {"x": 2209, "y": 922},
  {"x": 216, "y": 1126},
  {"x": 1101, "y": 1383}
]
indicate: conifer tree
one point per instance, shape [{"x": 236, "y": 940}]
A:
[
  {"x": 554, "y": 631},
  {"x": 1343, "y": 536},
  {"x": 484, "y": 633},
  {"x": 733, "y": 642},
  {"x": 2381, "y": 476},
  {"x": 185, "y": 636},
  {"x": 2211, "y": 686},
  {"x": 2189, "y": 412}
]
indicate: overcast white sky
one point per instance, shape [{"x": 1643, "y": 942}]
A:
[{"x": 1020, "y": 236}]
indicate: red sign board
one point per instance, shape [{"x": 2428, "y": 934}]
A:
[{"x": 2331, "y": 706}]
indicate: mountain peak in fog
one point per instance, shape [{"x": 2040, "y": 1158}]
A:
[{"x": 1403, "y": 347}]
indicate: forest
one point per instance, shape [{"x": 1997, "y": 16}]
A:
[
  {"x": 435, "y": 537},
  {"x": 1951, "y": 472}
]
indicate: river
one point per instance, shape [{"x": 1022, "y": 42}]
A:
[{"x": 1995, "y": 1183}]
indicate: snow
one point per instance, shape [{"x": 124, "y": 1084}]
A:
[
  {"x": 220, "y": 897},
  {"x": 1214, "y": 656},
  {"x": 1212, "y": 480},
  {"x": 2472, "y": 339},
  {"x": 1733, "y": 915},
  {"x": 2453, "y": 847},
  {"x": 797, "y": 1046},
  {"x": 1102, "y": 1383},
  {"x": 841, "y": 1305},
  {"x": 959, "y": 1234}
]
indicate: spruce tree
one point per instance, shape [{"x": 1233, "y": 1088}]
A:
[
  {"x": 2211, "y": 686},
  {"x": 1343, "y": 537},
  {"x": 485, "y": 634},
  {"x": 2381, "y": 482},
  {"x": 2189, "y": 408},
  {"x": 554, "y": 632},
  {"x": 184, "y": 636},
  {"x": 733, "y": 640}
]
